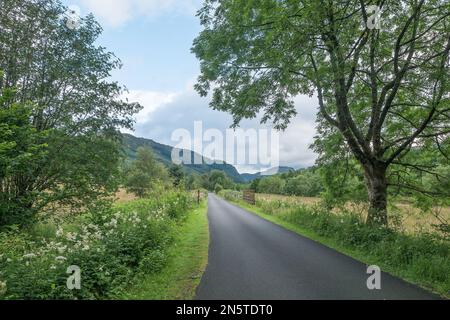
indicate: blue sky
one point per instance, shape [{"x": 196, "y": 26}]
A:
[{"x": 153, "y": 39}]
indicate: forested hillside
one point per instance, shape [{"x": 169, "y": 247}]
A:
[{"x": 164, "y": 154}]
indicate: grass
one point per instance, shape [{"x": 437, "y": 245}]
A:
[
  {"x": 188, "y": 256},
  {"x": 414, "y": 272},
  {"x": 413, "y": 221}
]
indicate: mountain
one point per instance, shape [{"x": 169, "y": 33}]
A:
[
  {"x": 249, "y": 177},
  {"x": 164, "y": 154}
]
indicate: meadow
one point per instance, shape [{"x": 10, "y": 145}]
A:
[{"x": 403, "y": 214}]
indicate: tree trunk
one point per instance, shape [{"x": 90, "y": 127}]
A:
[{"x": 376, "y": 183}]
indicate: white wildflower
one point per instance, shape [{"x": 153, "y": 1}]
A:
[
  {"x": 62, "y": 249},
  {"x": 59, "y": 232},
  {"x": 60, "y": 258},
  {"x": 3, "y": 288},
  {"x": 29, "y": 256}
]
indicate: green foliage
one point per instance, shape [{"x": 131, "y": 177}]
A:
[
  {"x": 60, "y": 141},
  {"x": 177, "y": 174},
  {"x": 305, "y": 182},
  {"x": 110, "y": 247},
  {"x": 382, "y": 92},
  {"x": 216, "y": 177},
  {"x": 273, "y": 185},
  {"x": 145, "y": 174},
  {"x": 193, "y": 182},
  {"x": 218, "y": 188},
  {"x": 22, "y": 149}
]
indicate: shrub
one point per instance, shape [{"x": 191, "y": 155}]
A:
[{"x": 110, "y": 247}]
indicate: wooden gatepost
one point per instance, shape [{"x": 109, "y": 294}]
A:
[{"x": 249, "y": 197}]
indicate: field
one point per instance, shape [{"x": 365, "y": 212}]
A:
[{"x": 408, "y": 218}]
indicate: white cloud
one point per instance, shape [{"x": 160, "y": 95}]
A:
[
  {"x": 115, "y": 13},
  {"x": 150, "y": 100},
  {"x": 165, "y": 112}
]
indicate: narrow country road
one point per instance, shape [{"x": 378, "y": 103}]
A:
[{"x": 251, "y": 258}]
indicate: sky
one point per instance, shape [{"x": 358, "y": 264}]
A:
[{"x": 153, "y": 39}]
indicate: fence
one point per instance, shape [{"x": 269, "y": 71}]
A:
[{"x": 249, "y": 197}]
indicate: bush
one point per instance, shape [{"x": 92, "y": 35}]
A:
[{"x": 110, "y": 248}]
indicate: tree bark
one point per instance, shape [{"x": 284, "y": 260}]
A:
[{"x": 376, "y": 183}]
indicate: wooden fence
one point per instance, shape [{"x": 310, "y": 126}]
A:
[{"x": 249, "y": 197}]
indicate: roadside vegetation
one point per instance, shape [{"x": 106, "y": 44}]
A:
[
  {"x": 422, "y": 258},
  {"x": 187, "y": 258},
  {"x": 110, "y": 247}
]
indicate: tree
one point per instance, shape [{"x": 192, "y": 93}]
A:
[
  {"x": 254, "y": 184},
  {"x": 273, "y": 185},
  {"x": 218, "y": 188},
  {"x": 211, "y": 179},
  {"x": 177, "y": 174},
  {"x": 306, "y": 183},
  {"x": 145, "y": 173},
  {"x": 21, "y": 149},
  {"x": 383, "y": 91},
  {"x": 61, "y": 75},
  {"x": 193, "y": 182}
]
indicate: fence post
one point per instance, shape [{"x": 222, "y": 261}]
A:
[{"x": 198, "y": 196}]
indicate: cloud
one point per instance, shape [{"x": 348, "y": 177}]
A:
[
  {"x": 166, "y": 112},
  {"x": 115, "y": 13},
  {"x": 150, "y": 100}
]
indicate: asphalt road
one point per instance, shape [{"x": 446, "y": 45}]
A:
[{"x": 251, "y": 258}]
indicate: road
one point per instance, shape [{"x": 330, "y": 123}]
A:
[{"x": 251, "y": 259}]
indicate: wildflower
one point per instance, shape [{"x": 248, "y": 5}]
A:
[
  {"x": 60, "y": 258},
  {"x": 71, "y": 236},
  {"x": 29, "y": 256},
  {"x": 62, "y": 249},
  {"x": 59, "y": 232},
  {"x": 3, "y": 288}
]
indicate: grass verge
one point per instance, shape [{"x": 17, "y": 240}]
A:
[
  {"x": 188, "y": 256},
  {"x": 408, "y": 273}
]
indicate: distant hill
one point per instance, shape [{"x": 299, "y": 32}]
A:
[
  {"x": 164, "y": 154},
  {"x": 249, "y": 177}
]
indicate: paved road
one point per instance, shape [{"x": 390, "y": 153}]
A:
[{"x": 251, "y": 258}]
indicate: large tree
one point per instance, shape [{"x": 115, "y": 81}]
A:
[
  {"x": 383, "y": 88},
  {"x": 60, "y": 95}
]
